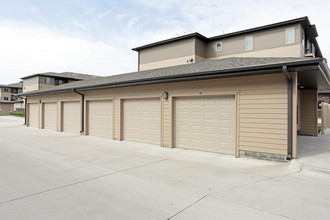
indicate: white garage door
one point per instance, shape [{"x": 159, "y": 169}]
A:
[
  {"x": 99, "y": 120},
  {"x": 71, "y": 117},
  {"x": 34, "y": 115},
  {"x": 141, "y": 120},
  {"x": 205, "y": 123},
  {"x": 50, "y": 116}
]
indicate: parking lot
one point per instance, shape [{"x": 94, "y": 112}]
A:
[{"x": 46, "y": 174}]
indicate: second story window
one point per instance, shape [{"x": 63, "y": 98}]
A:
[
  {"x": 5, "y": 89},
  {"x": 219, "y": 46},
  {"x": 5, "y": 98},
  {"x": 58, "y": 82},
  {"x": 289, "y": 35},
  {"x": 46, "y": 80},
  {"x": 248, "y": 43}
]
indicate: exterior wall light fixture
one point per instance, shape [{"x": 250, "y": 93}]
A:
[{"x": 165, "y": 95}]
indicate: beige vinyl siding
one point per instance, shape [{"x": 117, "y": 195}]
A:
[
  {"x": 31, "y": 84},
  {"x": 99, "y": 118},
  {"x": 141, "y": 120},
  {"x": 50, "y": 115},
  {"x": 261, "y": 107},
  {"x": 308, "y": 112},
  {"x": 117, "y": 115},
  {"x": 172, "y": 50},
  {"x": 199, "y": 47},
  {"x": 34, "y": 115},
  {"x": 71, "y": 116},
  {"x": 5, "y": 109},
  {"x": 167, "y": 63},
  {"x": 262, "y": 40}
]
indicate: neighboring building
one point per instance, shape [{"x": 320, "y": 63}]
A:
[
  {"x": 5, "y": 107},
  {"x": 236, "y": 105},
  {"x": 8, "y": 95},
  {"x": 294, "y": 38},
  {"x": 323, "y": 96},
  {"x": 46, "y": 80},
  {"x": 9, "y": 92}
]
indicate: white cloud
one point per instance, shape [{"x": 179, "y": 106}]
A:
[
  {"x": 79, "y": 25},
  {"x": 27, "y": 49},
  {"x": 102, "y": 15},
  {"x": 132, "y": 22}
]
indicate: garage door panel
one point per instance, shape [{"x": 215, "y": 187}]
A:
[
  {"x": 205, "y": 123},
  {"x": 71, "y": 117},
  {"x": 34, "y": 115},
  {"x": 100, "y": 118},
  {"x": 50, "y": 116},
  {"x": 141, "y": 120}
]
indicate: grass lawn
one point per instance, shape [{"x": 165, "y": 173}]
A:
[
  {"x": 18, "y": 114},
  {"x": 319, "y": 128}
]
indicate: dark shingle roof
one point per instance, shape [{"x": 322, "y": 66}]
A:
[
  {"x": 13, "y": 85},
  {"x": 69, "y": 75},
  {"x": 219, "y": 67}
]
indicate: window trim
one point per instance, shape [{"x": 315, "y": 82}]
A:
[
  {"x": 293, "y": 35},
  {"x": 216, "y": 46},
  {"x": 246, "y": 43}
]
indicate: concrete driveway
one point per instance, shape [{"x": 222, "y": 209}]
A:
[{"x": 50, "y": 175}]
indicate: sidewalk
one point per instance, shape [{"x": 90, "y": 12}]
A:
[{"x": 314, "y": 152}]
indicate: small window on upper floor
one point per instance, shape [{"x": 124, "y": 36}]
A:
[
  {"x": 46, "y": 80},
  {"x": 5, "y": 90},
  {"x": 248, "y": 43},
  {"x": 5, "y": 98},
  {"x": 219, "y": 46},
  {"x": 289, "y": 35}
]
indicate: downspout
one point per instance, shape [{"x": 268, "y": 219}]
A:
[
  {"x": 25, "y": 100},
  {"x": 25, "y": 105},
  {"x": 289, "y": 82},
  {"x": 82, "y": 110}
]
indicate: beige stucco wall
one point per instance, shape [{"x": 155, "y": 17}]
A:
[
  {"x": 261, "y": 107},
  {"x": 5, "y": 109},
  {"x": 308, "y": 112}
]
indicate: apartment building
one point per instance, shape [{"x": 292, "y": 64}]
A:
[
  {"x": 246, "y": 93},
  {"x": 49, "y": 79},
  {"x": 294, "y": 38},
  {"x": 9, "y": 100},
  {"x": 9, "y": 92}
]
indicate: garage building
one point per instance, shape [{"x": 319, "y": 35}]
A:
[{"x": 250, "y": 108}]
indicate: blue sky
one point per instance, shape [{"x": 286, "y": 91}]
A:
[{"x": 96, "y": 37}]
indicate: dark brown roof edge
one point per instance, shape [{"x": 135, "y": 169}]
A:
[
  {"x": 196, "y": 34},
  {"x": 217, "y": 73},
  {"x": 59, "y": 76}
]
